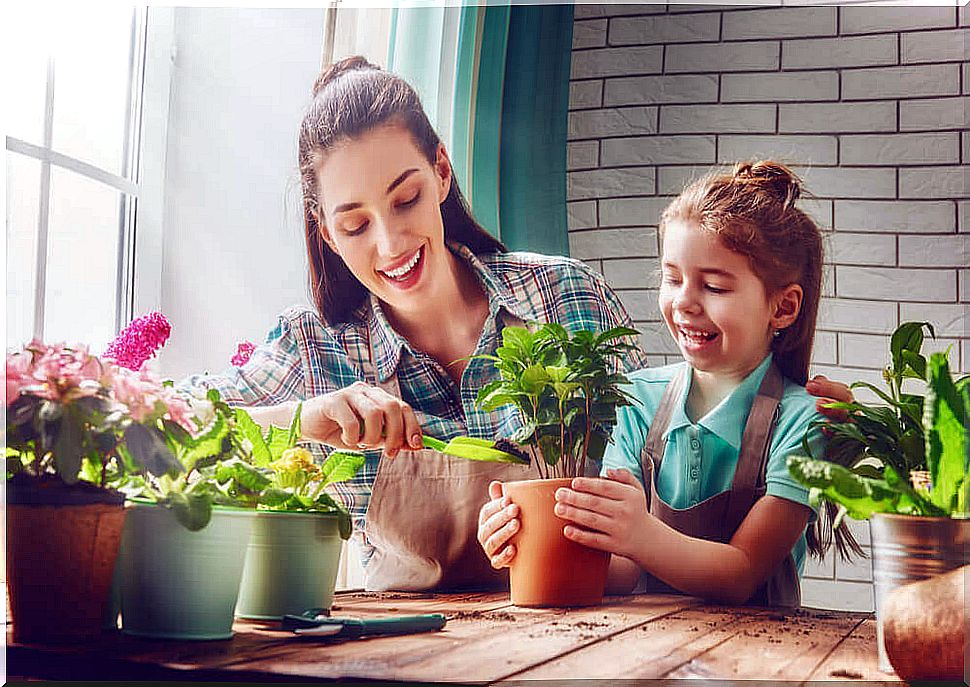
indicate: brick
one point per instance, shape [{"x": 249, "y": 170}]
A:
[
  {"x": 664, "y": 29},
  {"x": 853, "y": 374},
  {"x": 836, "y": 118},
  {"x": 863, "y": 51},
  {"x": 791, "y": 86},
  {"x": 856, "y": 570},
  {"x": 682, "y": 119},
  {"x": 901, "y": 82},
  {"x": 649, "y": 90},
  {"x": 641, "y": 304},
  {"x": 965, "y": 83},
  {"x": 612, "y": 122},
  {"x": 613, "y": 243},
  {"x": 803, "y": 150},
  {"x": 890, "y": 284},
  {"x": 872, "y": 317},
  {"x": 818, "y": 210},
  {"x": 934, "y": 251},
  {"x": 900, "y": 149},
  {"x": 838, "y": 595},
  {"x": 582, "y": 154},
  {"x": 674, "y": 179},
  {"x": 655, "y": 339},
  {"x": 722, "y": 57},
  {"x": 589, "y": 34},
  {"x": 965, "y": 356},
  {"x": 828, "y": 281},
  {"x": 862, "y": 249},
  {"x": 949, "y": 320},
  {"x": 964, "y": 15},
  {"x": 725, "y": 5},
  {"x": 823, "y": 350},
  {"x": 611, "y": 183},
  {"x": 625, "y": 212},
  {"x": 933, "y": 182},
  {"x": 658, "y": 150},
  {"x": 581, "y": 215},
  {"x": 585, "y": 94},
  {"x": 876, "y": 19},
  {"x": 631, "y": 273},
  {"x": 934, "y": 46},
  {"x": 780, "y": 23},
  {"x": 863, "y": 350},
  {"x": 964, "y": 288},
  {"x": 963, "y": 216},
  {"x": 892, "y": 216},
  {"x": 837, "y": 182},
  {"x": 935, "y": 113},
  {"x": 589, "y": 64},
  {"x": 965, "y": 147},
  {"x": 819, "y": 569},
  {"x": 605, "y": 9},
  {"x": 860, "y": 530}
]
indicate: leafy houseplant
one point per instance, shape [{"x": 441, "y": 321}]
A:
[
  {"x": 567, "y": 393},
  {"x": 76, "y": 424},
  {"x": 919, "y": 528},
  {"x": 294, "y": 552}
]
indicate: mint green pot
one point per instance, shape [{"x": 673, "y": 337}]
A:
[
  {"x": 291, "y": 564},
  {"x": 177, "y": 584}
]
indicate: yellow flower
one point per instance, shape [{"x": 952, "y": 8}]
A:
[{"x": 295, "y": 468}]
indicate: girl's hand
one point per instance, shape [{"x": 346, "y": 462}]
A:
[
  {"x": 497, "y": 522},
  {"x": 361, "y": 416},
  {"x": 610, "y": 512},
  {"x": 828, "y": 391}
]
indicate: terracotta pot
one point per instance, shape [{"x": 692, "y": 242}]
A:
[
  {"x": 548, "y": 569},
  {"x": 60, "y": 559}
]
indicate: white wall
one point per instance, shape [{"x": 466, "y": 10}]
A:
[{"x": 233, "y": 254}]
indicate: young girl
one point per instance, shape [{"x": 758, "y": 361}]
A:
[{"x": 699, "y": 497}]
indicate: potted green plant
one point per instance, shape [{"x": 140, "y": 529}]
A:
[
  {"x": 567, "y": 393},
  {"x": 75, "y": 425},
  {"x": 294, "y": 552},
  {"x": 920, "y": 527}
]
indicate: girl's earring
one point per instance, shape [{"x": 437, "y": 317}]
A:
[{"x": 778, "y": 332}]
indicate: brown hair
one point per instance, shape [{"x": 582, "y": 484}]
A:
[
  {"x": 350, "y": 98},
  {"x": 752, "y": 210}
]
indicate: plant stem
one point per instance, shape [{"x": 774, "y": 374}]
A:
[{"x": 586, "y": 438}]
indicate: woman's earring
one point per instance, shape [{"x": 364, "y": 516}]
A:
[{"x": 778, "y": 333}]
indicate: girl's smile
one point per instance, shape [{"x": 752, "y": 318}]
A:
[{"x": 406, "y": 274}]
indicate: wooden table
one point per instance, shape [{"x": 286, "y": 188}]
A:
[{"x": 488, "y": 640}]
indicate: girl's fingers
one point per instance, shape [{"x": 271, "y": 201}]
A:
[
  {"x": 821, "y": 386},
  {"x": 623, "y": 476},
  {"x": 594, "y": 540},
  {"x": 606, "y": 488},
  {"x": 503, "y": 558},
  {"x": 494, "y": 489},
  {"x": 494, "y": 506},
  {"x": 585, "y": 501},
  {"x": 582, "y": 516},
  {"x": 500, "y": 537}
]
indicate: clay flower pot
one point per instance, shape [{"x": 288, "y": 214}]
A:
[{"x": 548, "y": 569}]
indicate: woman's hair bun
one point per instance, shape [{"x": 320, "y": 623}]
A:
[
  {"x": 348, "y": 64},
  {"x": 772, "y": 177}
]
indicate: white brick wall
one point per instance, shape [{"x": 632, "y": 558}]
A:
[{"x": 868, "y": 104}]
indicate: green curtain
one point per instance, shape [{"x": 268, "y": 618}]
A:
[{"x": 508, "y": 109}]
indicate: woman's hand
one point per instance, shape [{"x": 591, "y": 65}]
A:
[
  {"x": 827, "y": 392},
  {"x": 361, "y": 416},
  {"x": 497, "y": 523},
  {"x": 610, "y": 512}
]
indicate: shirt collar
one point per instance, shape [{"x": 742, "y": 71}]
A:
[
  {"x": 387, "y": 344},
  {"x": 727, "y": 419}
]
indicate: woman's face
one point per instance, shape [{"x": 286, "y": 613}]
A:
[{"x": 380, "y": 212}]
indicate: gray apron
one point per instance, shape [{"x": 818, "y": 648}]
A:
[{"x": 718, "y": 517}]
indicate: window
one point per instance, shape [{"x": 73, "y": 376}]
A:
[{"x": 72, "y": 186}]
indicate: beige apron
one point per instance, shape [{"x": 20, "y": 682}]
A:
[
  {"x": 718, "y": 517},
  {"x": 422, "y": 518}
]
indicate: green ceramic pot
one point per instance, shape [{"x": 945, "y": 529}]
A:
[
  {"x": 177, "y": 584},
  {"x": 291, "y": 564}
]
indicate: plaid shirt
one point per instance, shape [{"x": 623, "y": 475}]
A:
[{"x": 303, "y": 357}]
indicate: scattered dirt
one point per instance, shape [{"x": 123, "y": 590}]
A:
[
  {"x": 841, "y": 672},
  {"x": 482, "y": 615}
]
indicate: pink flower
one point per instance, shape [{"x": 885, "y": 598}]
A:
[
  {"x": 139, "y": 341},
  {"x": 243, "y": 350},
  {"x": 57, "y": 373}
]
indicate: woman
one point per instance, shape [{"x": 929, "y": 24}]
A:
[{"x": 407, "y": 286}]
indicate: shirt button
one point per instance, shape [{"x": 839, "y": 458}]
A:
[
  {"x": 695, "y": 444},
  {"x": 693, "y": 473}
]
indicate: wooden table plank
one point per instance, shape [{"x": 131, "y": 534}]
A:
[
  {"x": 771, "y": 646},
  {"x": 474, "y": 646},
  {"x": 855, "y": 659}
]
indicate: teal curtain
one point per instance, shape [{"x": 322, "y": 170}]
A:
[{"x": 508, "y": 102}]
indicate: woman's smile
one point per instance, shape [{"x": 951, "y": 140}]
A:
[{"x": 406, "y": 273}]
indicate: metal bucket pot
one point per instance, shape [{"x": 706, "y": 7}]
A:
[{"x": 909, "y": 548}]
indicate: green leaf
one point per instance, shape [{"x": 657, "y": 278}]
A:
[
  {"x": 294, "y": 433},
  {"x": 534, "y": 379},
  {"x": 193, "y": 511},
  {"x": 205, "y": 445},
  {"x": 148, "y": 448},
  {"x": 274, "y": 497},
  {"x": 907, "y": 337},
  {"x": 860, "y": 496},
  {"x": 242, "y": 475},
  {"x": 341, "y": 466},
  {"x": 67, "y": 448},
  {"x": 277, "y": 441},
  {"x": 944, "y": 421},
  {"x": 252, "y": 432}
]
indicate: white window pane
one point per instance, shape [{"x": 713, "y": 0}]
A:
[
  {"x": 82, "y": 260},
  {"x": 23, "y": 202},
  {"x": 25, "y": 83},
  {"x": 91, "y": 77}
]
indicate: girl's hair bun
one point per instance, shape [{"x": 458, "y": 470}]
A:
[
  {"x": 348, "y": 64},
  {"x": 771, "y": 177}
]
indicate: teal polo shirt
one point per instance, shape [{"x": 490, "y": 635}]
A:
[{"x": 700, "y": 458}]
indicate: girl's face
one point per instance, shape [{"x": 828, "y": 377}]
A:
[
  {"x": 715, "y": 306},
  {"x": 380, "y": 212}
]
